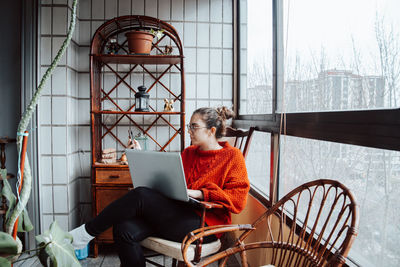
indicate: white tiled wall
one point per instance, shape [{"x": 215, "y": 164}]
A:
[
  {"x": 58, "y": 119},
  {"x": 205, "y": 27}
]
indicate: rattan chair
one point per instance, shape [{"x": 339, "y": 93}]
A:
[
  {"x": 313, "y": 225},
  {"x": 237, "y": 138}
]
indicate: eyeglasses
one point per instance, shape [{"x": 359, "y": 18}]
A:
[{"x": 193, "y": 128}]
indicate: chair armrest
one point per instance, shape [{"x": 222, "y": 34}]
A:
[
  {"x": 200, "y": 233},
  {"x": 204, "y": 206},
  {"x": 210, "y": 205},
  {"x": 215, "y": 229}
]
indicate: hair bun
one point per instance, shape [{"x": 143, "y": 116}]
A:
[{"x": 225, "y": 113}]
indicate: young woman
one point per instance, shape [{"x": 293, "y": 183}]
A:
[{"x": 214, "y": 171}]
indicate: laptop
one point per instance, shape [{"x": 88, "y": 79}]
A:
[{"x": 161, "y": 171}]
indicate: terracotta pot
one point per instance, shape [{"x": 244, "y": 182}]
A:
[{"x": 139, "y": 42}]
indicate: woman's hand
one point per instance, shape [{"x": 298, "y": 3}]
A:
[{"x": 197, "y": 194}]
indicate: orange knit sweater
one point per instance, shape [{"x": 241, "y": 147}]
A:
[{"x": 221, "y": 175}]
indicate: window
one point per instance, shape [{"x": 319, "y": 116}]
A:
[
  {"x": 335, "y": 55},
  {"x": 373, "y": 175},
  {"x": 255, "y": 57},
  {"x": 257, "y": 162},
  {"x": 338, "y": 57}
]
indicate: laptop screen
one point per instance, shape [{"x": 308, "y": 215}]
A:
[{"x": 161, "y": 171}]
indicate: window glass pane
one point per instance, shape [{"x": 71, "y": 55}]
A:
[
  {"x": 341, "y": 55},
  {"x": 373, "y": 175},
  {"x": 258, "y": 162},
  {"x": 255, "y": 57}
]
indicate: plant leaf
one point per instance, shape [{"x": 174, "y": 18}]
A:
[
  {"x": 58, "y": 250},
  {"x": 4, "y": 262},
  {"x": 7, "y": 244},
  {"x": 24, "y": 223},
  {"x": 3, "y": 173}
]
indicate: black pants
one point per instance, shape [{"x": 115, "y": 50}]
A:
[{"x": 142, "y": 213}]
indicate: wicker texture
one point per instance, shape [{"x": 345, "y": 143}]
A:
[{"x": 326, "y": 222}]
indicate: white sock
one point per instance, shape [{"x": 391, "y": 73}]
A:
[{"x": 80, "y": 237}]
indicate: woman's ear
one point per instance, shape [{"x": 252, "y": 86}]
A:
[{"x": 213, "y": 130}]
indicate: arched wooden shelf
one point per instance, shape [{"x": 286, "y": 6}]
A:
[{"x": 110, "y": 181}]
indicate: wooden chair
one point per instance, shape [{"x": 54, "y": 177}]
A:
[
  {"x": 313, "y": 225},
  {"x": 241, "y": 140}
]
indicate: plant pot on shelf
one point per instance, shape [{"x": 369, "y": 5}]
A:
[{"x": 139, "y": 42}]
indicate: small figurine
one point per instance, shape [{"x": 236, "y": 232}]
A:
[
  {"x": 168, "y": 105},
  {"x": 124, "y": 159},
  {"x": 112, "y": 47},
  {"x": 168, "y": 50}
]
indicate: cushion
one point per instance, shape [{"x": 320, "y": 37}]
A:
[{"x": 173, "y": 249}]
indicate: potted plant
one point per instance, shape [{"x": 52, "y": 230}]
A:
[{"x": 140, "y": 41}]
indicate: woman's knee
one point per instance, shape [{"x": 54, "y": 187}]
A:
[
  {"x": 140, "y": 192},
  {"x": 137, "y": 194},
  {"x": 143, "y": 191}
]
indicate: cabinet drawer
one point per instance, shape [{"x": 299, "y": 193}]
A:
[{"x": 114, "y": 176}]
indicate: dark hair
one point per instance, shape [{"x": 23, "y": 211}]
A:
[{"x": 215, "y": 117}]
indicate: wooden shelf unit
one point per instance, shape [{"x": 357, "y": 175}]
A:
[{"x": 111, "y": 181}]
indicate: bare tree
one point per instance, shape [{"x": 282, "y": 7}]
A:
[
  {"x": 356, "y": 65},
  {"x": 260, "y": 73},
  {"x": 389, "y": 55}
]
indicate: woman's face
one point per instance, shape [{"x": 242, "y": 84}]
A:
[{"x": 199, "y": 134}]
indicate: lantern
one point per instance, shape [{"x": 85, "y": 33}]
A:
[{"x": 142, "y": 99}]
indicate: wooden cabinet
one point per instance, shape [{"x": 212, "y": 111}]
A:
[
  {"x": 104, "y": 196},
  {"x": 114, "y": 77}
]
